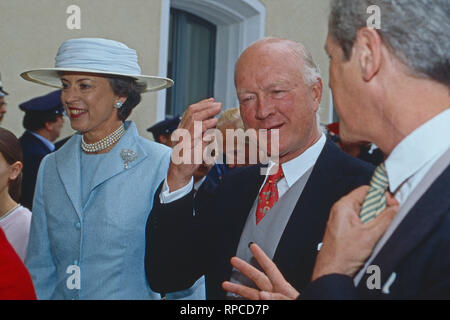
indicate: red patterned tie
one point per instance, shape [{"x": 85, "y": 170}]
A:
[{"x": 268, "y": 195}]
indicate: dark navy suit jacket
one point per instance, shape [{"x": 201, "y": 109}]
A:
[
  {"x": 34, "y": 150},
  {"x": 418, "y": 252},
  {"x": 182, "y": 247}
]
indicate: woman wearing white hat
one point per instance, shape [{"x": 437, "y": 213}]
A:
[{"x": 93, "y": 196}]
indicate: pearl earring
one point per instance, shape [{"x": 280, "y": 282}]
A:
[{"x": 118, "y": 104}]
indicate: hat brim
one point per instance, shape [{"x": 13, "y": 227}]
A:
[{"x": 52, "y": 77}]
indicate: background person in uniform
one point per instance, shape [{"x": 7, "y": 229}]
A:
[
  {"x": 162, "y": 130},
  {"x": 43, "y": 121},
  {"x": 279, "y": 87},
  {"x": 391, "y": 87},
  {"x": 3, "y": 93}
]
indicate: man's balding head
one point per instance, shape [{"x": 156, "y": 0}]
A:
[{"x": 279, "y": 88}]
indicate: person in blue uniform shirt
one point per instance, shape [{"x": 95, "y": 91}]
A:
[
  {"x": 43, "y": 121},
  {"x": 162, "y": 130}
]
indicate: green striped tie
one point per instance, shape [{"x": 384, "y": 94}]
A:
[{"x": 375, "y": 201}]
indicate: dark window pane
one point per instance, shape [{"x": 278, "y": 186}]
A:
[{"x": 191, "y": 61}]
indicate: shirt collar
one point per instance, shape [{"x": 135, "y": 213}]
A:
[
  {"x": 418, "y": 148},
  {"x": 50, "y": 145},
  {"x": 198, "y": 184},
  {"x": 294, "y": 169}
]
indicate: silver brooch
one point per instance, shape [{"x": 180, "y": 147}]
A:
[{"x": 128, "y": 156}]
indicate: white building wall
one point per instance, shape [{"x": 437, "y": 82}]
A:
[{"x": 31, "y": 32}]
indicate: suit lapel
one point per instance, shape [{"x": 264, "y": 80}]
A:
[
  {"x": 305, "y": 227},
  {"x": 68, "y": 160},
  {"x": 113, "y": 163},
  {"x": 415, "y": 227},
  {"x": 244, "y": 199},
  {"x": 68, "y": 167}
]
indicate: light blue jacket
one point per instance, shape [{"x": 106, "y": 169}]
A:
[{"x": 103, "y": 243}]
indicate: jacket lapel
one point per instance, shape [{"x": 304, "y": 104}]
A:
[
  {"x": 243, "y": 196},
  {"x": 415, "y": 227},
  {"x": 68, "y": 167},
  {"x": 305, "y": 227},
  {"x": 68, "y": 160},
  {"x": 113, "y": 163}
]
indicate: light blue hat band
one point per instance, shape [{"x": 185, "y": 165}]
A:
[{"x": 98, "y": 54}]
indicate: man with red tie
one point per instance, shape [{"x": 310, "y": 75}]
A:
[
  {"x": 390, "y": 86},
  {"x": 285, "y": 211}
]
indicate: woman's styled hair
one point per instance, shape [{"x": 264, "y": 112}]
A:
[
  {"x": 12, "y": 152},
  {"x": 130, "y": 88}
]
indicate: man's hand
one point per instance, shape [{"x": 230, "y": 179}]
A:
[
  {"x": 347, "y": 242},
  {"x": 180, "y": 174},
  {"x": 271, "y": 282}
]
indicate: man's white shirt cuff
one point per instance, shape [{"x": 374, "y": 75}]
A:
[{"x": 166, "y": 196}]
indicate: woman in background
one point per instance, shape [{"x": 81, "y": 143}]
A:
[{"x": 14, "y": 218}]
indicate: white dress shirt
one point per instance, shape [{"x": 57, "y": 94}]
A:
[
  {"x": 415, "y": 155},
  {"x": 408, "y": 164}
]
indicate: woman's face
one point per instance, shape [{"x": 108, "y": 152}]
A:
[{"x": 89, "y": 102}]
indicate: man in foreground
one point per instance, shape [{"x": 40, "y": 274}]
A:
[
  {"x": 279, "y": 90},
  {"x": 391, "y": 87}
]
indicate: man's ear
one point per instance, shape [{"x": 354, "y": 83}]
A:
[
  {"x": 368, "y": 46},
  {"x": 316, "y": 89},
  {"x": 48, "y": 126},
  {"x": 165, "y": 139}
]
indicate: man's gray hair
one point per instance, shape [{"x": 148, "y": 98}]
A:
[
  {"x": 415, "y": 31},
  {"x": 311, "y": 71}
]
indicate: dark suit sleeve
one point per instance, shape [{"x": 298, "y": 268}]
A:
[
  {"x": 174, "y": 244},
  {"x": 30, "y": 170},
  {"x": 330, "y": 287},
  {"x": 34, "y": 150},
  {"x": 436, "y": 283}
]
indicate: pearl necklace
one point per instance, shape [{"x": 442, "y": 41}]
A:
[{"x": 104, "y": 143}]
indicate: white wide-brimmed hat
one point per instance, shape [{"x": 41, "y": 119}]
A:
[{"x": 95, "y": 55}]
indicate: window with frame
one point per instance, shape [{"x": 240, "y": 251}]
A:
[{"x": 191, "y": 60}]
